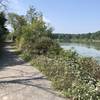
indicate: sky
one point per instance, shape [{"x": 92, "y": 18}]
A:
[{"x": 65, "y": 16}]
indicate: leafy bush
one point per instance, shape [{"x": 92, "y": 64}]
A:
[
  {"x": 71, "y": 74},
  {"x": 26, "y": 56},
  {"x": 34, "y": 40},
  {"x": 3, "y": 29}
]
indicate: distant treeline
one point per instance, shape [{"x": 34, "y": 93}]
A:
[{"x": 86, "y": 37}]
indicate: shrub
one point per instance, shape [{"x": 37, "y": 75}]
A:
[
  {"x": 34, "y": 42},
  {"x": 71, "y": 74}
]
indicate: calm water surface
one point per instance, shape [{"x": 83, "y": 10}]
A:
[{"x": 88, "y": 49}]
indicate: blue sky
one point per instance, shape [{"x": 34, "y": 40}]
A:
[{"x": 68, "y": 16}]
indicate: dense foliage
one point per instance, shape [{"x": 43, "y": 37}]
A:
[
  {"x": 3, "y": 30},
  {"x": 76, "y": 77},
  {"x": 31, "y": 34},
  {"x": 89, "y": 37}
]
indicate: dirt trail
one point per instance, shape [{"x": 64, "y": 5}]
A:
[{"x": 20, "y": 81}]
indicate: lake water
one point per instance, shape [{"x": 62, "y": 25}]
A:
[{"x": 88, "y": 49}]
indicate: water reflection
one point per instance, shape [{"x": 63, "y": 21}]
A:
[{"x": 85, "y": 49}]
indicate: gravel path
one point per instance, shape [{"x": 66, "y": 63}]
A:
[{"x": 20, "y": 81}]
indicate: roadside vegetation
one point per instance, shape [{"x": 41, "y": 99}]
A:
[
  {"x": 3, "y": 29},
  {"x": 74, "y": 76}
]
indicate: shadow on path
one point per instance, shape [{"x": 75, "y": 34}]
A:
[
  {"x": 27, "y": 82},
  {"x": 21, "y": 76},
  {"x": 9, "y": 57}
]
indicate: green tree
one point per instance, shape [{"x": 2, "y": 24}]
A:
[
  {"x": 16, "y": 21},
  {"x": 33, "y": 15},
  {"x": 3, "y": 29}
]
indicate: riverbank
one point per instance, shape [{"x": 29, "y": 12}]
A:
[
  {"x": 84, "y": 49},
  {"x": 74, "y": 76},
  {"x": 84, "y": 41}
]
